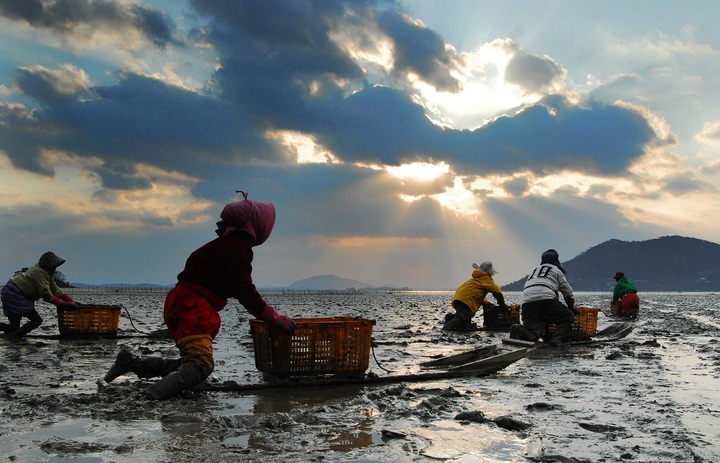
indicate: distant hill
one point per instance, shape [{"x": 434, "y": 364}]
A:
[
  {"x": 669, "y": 263},
  {"x": 121, "y": 286},
  {"x": 328, "y": 282}
]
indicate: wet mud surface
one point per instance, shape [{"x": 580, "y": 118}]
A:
[{"x": 652, "y": 396}]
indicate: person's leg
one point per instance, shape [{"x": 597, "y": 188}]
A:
[
  {"x": 462, "y": 318},
  {"x": 148, "y": 367},
  {"x": 13, "y": 325},
  {"x": 193, "y": 323},
  {"x": 532, "y": 323},
  {"x": 184, "y": 310},
  {"x": 35, "y": 321},
  {"x": 563, "y": 318},
  {"x": 17, "y": 305},
  {"x": 197, "y": 364},
  {"x": 630, "y": 305}
]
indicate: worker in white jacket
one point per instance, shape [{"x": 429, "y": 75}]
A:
[{"x": 541, "y": 304}]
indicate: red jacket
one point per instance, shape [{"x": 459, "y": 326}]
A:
[{"x": 224, "y": 267}]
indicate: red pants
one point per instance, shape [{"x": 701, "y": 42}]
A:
[
  {"x": 628, "y": 303},
  {"x": 189, "y": 314}
]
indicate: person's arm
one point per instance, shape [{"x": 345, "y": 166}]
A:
[
  {"x": 616, "y": 293},
  {"x": 248, "y": 296},
  {"x": 46, "y": 287},
  {"x": 500, "y": 299},
  {"x": 493, "y": 288},
  {"x": 563, "y": 285}
]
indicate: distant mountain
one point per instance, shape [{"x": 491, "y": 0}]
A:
[
  {"x": 122, "y": 285},
  {"x": 669, "y": 263},
  {"x": 328, "y": 282}
]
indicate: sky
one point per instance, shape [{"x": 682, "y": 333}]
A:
[{"x": 400, "y": 142}]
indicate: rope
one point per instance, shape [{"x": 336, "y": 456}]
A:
[
  {"x": 131, "y": 320},
  {"x": 372, "y": 347}
]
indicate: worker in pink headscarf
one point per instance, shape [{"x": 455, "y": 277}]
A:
[{"x": 219, "y": 270}]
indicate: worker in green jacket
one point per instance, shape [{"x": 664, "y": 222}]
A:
[
  {"x": 625, "y": 297},
  {"x": 21, "y": 292}
]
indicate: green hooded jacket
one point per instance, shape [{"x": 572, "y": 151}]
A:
[
  {"x": 37, "y": 282},
  {"x": 622, "y": 287}
]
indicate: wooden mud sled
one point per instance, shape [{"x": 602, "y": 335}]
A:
[
  {"x": 335, "y": 351},
  {"x": 479, "y": 362}
]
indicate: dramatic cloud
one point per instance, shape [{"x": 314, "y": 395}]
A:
[
  {"x": 533, "y": 74},
  {"x": 88, "y": 17},
  {"x": 373, "y": 134}
]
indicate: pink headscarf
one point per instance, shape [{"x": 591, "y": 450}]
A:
[{"x": 253, "y": 217}]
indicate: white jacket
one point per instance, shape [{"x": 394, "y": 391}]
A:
[{"x": 543, "y": 283}]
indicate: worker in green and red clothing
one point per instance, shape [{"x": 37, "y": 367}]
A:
[
  {"x": 219, "y": 270},
  {"x": 625, "y": 297}
]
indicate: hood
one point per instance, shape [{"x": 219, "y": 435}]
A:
[
  {"x": 551, "y": 256},
  {"x": 50, "y": 261},
  {"x": 252, "y": 217}
]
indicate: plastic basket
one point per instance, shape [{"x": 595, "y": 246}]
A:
[
  {"x": 495, "y": 316},
  {"x": 584, "y": 327},
  {"x": 88, "y": 320},
  {"x": 317, "y": 346}
]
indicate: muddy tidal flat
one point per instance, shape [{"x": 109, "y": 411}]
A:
[{"x": 653, "y": 396}]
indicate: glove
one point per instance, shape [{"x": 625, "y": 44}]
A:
[
  {"x": 60, "y": 303},
  {"x": 274, "y": 319},
  {"x": 570, "y": 302},
  {"x": 68, "y": 300}
]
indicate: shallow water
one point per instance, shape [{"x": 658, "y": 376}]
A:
[{"x": 649, "y": 397}]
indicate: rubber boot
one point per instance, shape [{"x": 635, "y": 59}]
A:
[
  {"x": 25, "y": 329},
  {"x": 126, "y": 362},
  {"x": 560, "y": 334},
  {"x": 188, "y": 375},
  {"x": 5, "y": 328},
  {"x": 150, "y": 367},
  {"x": 518, "y": 331}
]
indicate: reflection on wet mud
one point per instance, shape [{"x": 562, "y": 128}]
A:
[{"x": 648, "y": 397}]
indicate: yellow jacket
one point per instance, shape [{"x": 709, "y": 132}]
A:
[{"x": 473, "y": 291}]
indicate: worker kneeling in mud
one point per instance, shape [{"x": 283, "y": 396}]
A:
[
  {"x": 540, "y": 303},
  {"x": 21, "y": 292},
  {"x": 471, "y": 295},
  {"x": 219, "y": 270},
  {"x": 625, "y": 297}
]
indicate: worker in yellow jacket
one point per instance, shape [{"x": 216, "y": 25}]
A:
[{"x": 470, "y": 296}]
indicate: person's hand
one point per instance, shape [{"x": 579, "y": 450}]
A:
[
  {"x": 286, "y": 323},
  {"x": 58, "y": 302},
  {"x": 275, "y": 320},
  {"x": 69, "y": 301}
]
